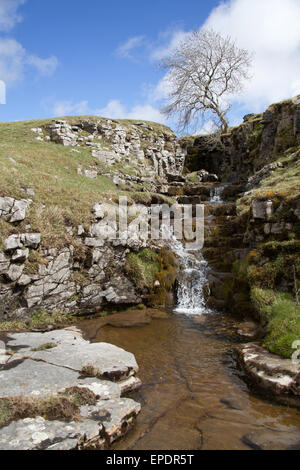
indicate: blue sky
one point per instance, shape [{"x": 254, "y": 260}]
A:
[{"x": 68, "y": 57}]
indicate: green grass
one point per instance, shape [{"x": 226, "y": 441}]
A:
[
  {"x": 44, "y": 347},
  {"x": 63, "y": 407},
  {"x": 142, "y": 267},
  {"x": 38, "y": 320},
  {"x": 51, "y": 170},
  {"x": 282, "y": 316},
  {"x": 283, "y": 184},
  {"x": 62, "y": 197}
]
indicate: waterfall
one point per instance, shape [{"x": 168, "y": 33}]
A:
[
  {"x": 216, "y": 194},
  {"x": 191, "y": 280}
]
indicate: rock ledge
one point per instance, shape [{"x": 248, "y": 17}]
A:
[
  {"x": 39, "y": 365},
  {"x": 281, "y": 377}
]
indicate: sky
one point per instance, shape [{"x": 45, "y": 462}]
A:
[{"x": 68, "y": 57}]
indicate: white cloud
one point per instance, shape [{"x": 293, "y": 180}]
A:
[
  {"x": 2, "y": 92},
  {"x": 170, "y": 41},
  {"x": 146, "y": 112},
  {"x": 269, "y": 28},
  {"x": 14, "y": 59},
  {"x": 45, "y": 67},
  {"x": 8, "y": 13},
  {"x": 114, "y": 110},
  {"x": 125, "y": 49},
  {"x": 67, "y": 108}
]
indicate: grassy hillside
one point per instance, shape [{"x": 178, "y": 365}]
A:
[{"x": 62, "y": 196}]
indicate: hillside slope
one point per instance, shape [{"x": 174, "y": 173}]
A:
[{"x": 55, "y": 177}]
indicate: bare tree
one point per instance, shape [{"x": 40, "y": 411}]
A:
[{"x": 202, "y": 72}]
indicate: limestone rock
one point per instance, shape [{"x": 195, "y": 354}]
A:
[
  {"x": 12, "y": 210},
  {"x": 14, "y": 272},
  {"x": 273, "y": 373},
  {"x": 30, "y": 240},
  {"x": 37, "y": 374},
  {"x": 74, "y": 353}
]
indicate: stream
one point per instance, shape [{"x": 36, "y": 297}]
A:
[{"x": 194, "y": 396}]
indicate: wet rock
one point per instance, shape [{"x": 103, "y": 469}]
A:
[
  {"x": 232, "y": 403},
  {"x": 270, "y": 372},
  {"x": 273, "y": 440},
  {"x": 249, "y": 330}
]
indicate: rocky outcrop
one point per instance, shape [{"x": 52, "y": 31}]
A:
[
  {"x": 39, "y": 366},
  {"x": 147, "y": 154},
  {"x": 83, "y": 277},
  {"x": 247, "y": 148}
]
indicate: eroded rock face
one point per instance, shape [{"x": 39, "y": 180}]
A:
[
  {"x": 252, "y": 147},
  {"x": 57, "y": 280},
  {"x": 281, "y": 377},
  {"x": 149, "y": 153},
  {"x": 105, "y": 370}
]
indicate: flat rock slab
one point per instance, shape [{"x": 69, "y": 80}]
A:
[
  {"x": 56, "y": 367},
  {"x": 271, "y": 372},
  {"x": 100, "y": 426},
  {"x": 270, "y": 440},
  {"x": 73, "y": 352},
  {"x": 117, "y": 416},
  {"x": 40, "y": 379}
]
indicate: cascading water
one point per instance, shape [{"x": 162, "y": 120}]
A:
[
  {"x": 191, "y": 280},
  {"x": 216, "y": 194}
]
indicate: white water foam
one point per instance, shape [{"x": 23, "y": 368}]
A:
[
  {"x": 191, "y": 280},
  {"x": 216, "y": 194}
]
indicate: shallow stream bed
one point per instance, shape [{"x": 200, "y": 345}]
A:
[{"x": 194, "y": 396}]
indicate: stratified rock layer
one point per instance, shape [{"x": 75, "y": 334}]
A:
[
  {"x": 281, "y": 377},
  {"x": 33, "y": 369}
]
